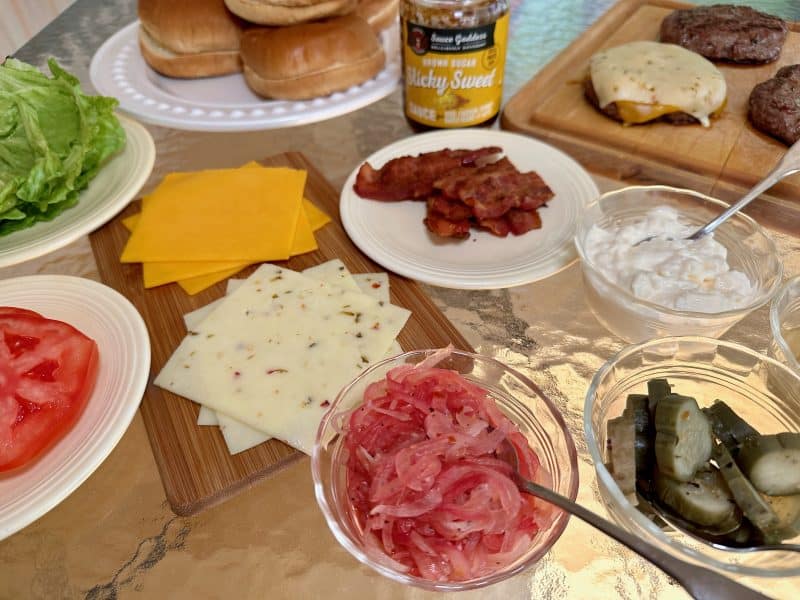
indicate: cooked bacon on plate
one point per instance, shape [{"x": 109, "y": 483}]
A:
[
  {"x": 446, "y": 227},
  {"x": 450, "y": 209},
  {"x": 462, "y": 189},
  {"x": 494, "y": 189},
  {"x": 412, "y": 177}
]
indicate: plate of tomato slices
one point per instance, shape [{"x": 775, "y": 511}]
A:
[{"x": 74, "y": 363}]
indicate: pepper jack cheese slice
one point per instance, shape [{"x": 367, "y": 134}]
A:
[
  {"x": 238, "y": 436},
  {"x": 649, "y": 79},
  {"x": 278, "y": 349},
  {"x": 375, "y": 284},
  {"x": 333, "y": 272}
]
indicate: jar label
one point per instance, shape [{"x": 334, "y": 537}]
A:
[{"x": 453, "y": 77}]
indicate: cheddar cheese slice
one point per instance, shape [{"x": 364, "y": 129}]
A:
[
  {"x": 160, "y": 273},
  {"x": 222, "y": 215}
]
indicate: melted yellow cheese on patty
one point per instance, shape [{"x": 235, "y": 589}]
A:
[{"x": 650, "y": 79}]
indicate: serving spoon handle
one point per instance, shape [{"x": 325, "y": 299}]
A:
[
  {"x": 700, "y": 582},
  {"x": 788, "y": 165}
]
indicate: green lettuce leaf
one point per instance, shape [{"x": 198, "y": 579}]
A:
[{"x": 53, "y": 141}]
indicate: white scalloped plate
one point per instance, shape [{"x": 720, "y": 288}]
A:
[
  {"x": 221, "y": 103},
  {"x": 124, "y": 347},
  {"x": 393, "y": 234},
  {"x": 108, "y": 193}
]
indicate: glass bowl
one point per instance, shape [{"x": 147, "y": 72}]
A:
[
  {"x": 750, "y": 250},
  {"x": 536, "y": 416},
  {"x": 784, "y": 320},
  {"x": 760, "y": 389}
]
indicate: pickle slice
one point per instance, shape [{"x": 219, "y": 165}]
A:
[
  {"x": 747, "y": 497},
  {"x": 772, "y": 463},
  {"x": 787, "y": 509},
  {"x": 729, "y": 427},
  {"x": 636, "y": 408},
  {"x": 657, "y": 389},
  {"x": 620, "y": 441},
  {"x": 704, "y": 500},
  {"x": 683, "y": 437}
]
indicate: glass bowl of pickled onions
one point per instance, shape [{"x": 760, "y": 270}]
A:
[{"x": 406, "y": 471}]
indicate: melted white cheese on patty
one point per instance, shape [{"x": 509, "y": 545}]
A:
[{"x": 666, "y": 77}]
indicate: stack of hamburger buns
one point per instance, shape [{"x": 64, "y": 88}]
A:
[{"x": 286, "y": 49}]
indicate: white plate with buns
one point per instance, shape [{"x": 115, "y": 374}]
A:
[{"x": 223, "y": 103}]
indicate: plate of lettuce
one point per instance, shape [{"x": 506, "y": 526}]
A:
[{"x": 68, "y": 163}]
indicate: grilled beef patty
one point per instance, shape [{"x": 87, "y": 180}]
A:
[
  {"x": 676, "y": 118},
  {"x": 774, "y": 105},
  {"x": 726, "y": 32}
]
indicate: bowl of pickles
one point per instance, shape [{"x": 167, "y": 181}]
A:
[{"x": 696, "y": 445}]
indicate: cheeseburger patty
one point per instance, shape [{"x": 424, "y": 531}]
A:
[
  {"x": 774, "y": 105},
  {"x": 726, "y": 32},
  {"x": 676, "y": 118}
]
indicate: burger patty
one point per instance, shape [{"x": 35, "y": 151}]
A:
[
  {"x": 611, "y": 110},
  {"x": 726, "y": 32},
  {"x": 774, "y": 105}
]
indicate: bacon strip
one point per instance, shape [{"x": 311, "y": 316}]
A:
[
  {"x": 412, "y": 177},
  {"x": 494, "y": 189}
]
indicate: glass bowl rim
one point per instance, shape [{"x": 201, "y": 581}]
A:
[
  {"x": 561, "y": 518},
  {"x": 761, "y": 298},
  {"x": 775, "y": 323},
  {"x": 632, "y": 514}
]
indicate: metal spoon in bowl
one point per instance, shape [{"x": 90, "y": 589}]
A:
[
  {"x": 719, "y": 540},
  {"x": 701, "y": 583},
  {"x": 788, "y": 165}
]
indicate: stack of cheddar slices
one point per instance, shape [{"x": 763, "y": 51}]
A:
[
  {"x": 287, "y": 49},
  {"x": 199, "y": 228}
]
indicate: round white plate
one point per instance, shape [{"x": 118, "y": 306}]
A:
[
  {"x": 221, "y": 103},
  {"x": 108, "y": 193},
  {"x": 393, "y": 234},
  {"x": 124, "y": 347}
]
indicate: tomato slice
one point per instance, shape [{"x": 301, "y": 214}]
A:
[
  {"x": 47, "y": 372},
  {"x": 13, "y": 310}
]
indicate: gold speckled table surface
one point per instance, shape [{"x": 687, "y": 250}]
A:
[{"x": 115, "y": 537}]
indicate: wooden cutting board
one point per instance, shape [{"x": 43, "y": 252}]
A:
[
  {"x": 722, "y": 160},
  {"x": 194, "y": 463}
]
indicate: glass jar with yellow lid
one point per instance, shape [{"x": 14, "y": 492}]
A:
[{"x": 453, "y": 58}]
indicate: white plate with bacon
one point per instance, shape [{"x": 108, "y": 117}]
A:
[{"x": 481, "y": 209}]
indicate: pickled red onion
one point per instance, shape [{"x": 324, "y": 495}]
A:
[{"x": 424, "y": 481}]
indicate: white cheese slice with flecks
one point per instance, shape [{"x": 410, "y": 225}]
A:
[
  {"x": 374, "y": 284},
  {"x": 333, "y": 272},
  {"x": 276, "y": 351},
  {"x": 238, "y": 436},
  {"x": 207, "y": 416},
  {"x": 233, "y": 284},
  {"x": 394, "y": 349}
]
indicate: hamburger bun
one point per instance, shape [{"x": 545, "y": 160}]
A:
[
  {"x": 289, "y": 12},
  {"x": 189, "y": 38},
  {"x": 312, "y": 59},
  {"x": 380, "y": 14}
]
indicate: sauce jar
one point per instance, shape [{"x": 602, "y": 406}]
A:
[{"x": 453, "y": 54}]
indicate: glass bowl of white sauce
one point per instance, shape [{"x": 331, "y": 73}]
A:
[{"x": 668, "y": 285}]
